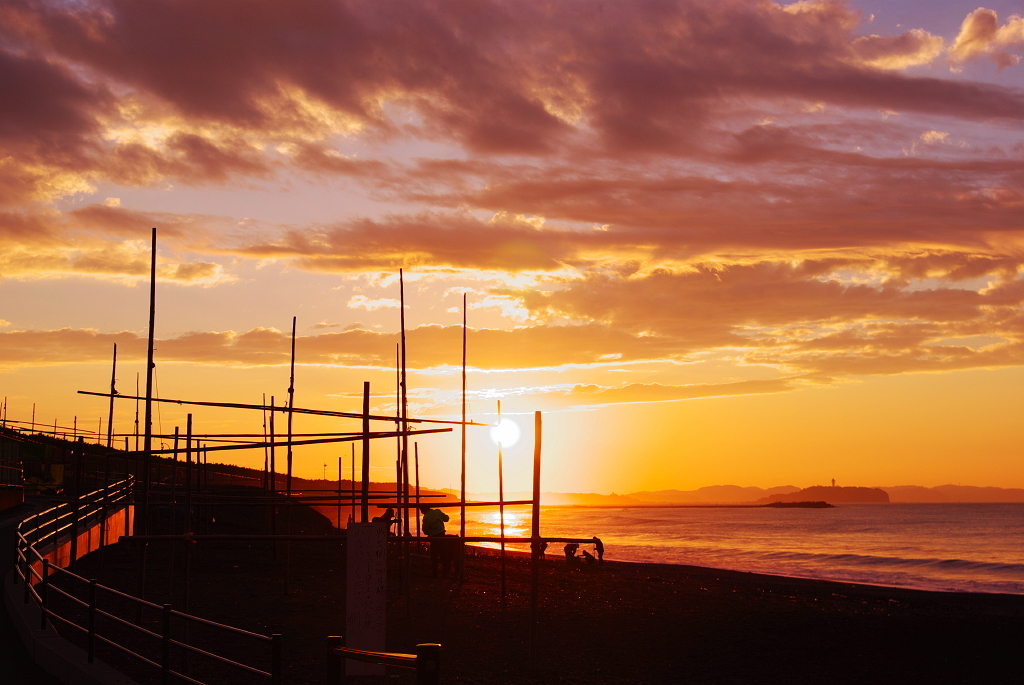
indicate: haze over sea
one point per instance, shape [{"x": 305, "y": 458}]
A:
[{"x": 948, "y": 547}]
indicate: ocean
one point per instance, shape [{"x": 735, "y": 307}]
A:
[{"x": 947, "y": 547}]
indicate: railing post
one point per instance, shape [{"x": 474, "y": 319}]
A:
[
  {"x": 335, "y": 663},
  {"x": 428, "y": 664},
  {"x": 74, "y": 532},
  {"x": 165, "y": 648},
  {"x": 275, "y": 659},
  {"x": 92, "y": 621},
  {"x": 43, "y": 593},
  {"x": 26, "y": 571}
]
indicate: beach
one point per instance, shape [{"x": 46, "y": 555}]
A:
[{"x": 611, "y": 623}]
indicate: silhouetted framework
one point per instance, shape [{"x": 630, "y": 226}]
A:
[{"x": 157, "y": 482}]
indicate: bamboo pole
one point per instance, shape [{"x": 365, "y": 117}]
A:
[
  {"x": 113, "y": 391},
  {"x": 284, "y": 408},
  {"x": 147, "y": 441},
  {"x": 535, "y": 539},
  {"x": 365, "y": 512},
  {"x": 416, "y": 450},
  {"x": 501, "y": 511},
  {"x": 188, "y": 474},
  {"x": 291, "y": 403},
  {"x": 405, "y": 403},
  {"x": 462, "y": 492}
]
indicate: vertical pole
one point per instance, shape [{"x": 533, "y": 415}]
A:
[
  {"x": 416, "y": 450},
  {"x": 113, "y": 391},
  {"x": 147, "y": 441},
  {"x": 137, "y": 393},
  {"x": 165, "y": 647},
  {"x": 273, "y": 479},
  {"x": 291, "y": 406},
  {"x": 340, "y": 459},
  {"x": 405, "y": 408},
  {"x": 44, "y": 585},
  {"x": 365, "y": 513},
  {"x": 266, "y": 452},
  {"x": 428, "y": 664},
  {"x": 273, "y": 451},
  {"x": 398, "y": 437},
  {"x": 501, "y": 510},
  {"x": 462, "y": 491},
  {"x": 288, "y": 478},
  {"x": 188, "y": 474},
  {"x": 353, "y": 480},
  {"x": 174, "y": 482},
  {"x": 92, "y": 621},
  {"x": 275, "y": 659},
  {"x": 535, "y": 545}
]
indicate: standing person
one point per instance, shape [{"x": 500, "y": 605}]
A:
[{"x": 433, "y": 525}]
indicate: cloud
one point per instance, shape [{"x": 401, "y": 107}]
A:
[
  {"x": 913, "y": 48},
  {"x": 981, "y": 35},
  {"x": 362, "y": 302}
]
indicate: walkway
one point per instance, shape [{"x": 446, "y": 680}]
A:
[{"x": 15, "y": 664}]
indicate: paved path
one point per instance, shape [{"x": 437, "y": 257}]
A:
[{"x": 16, "y": 668}]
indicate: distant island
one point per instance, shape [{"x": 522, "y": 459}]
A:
[
  {"x": 734, "y": 494},
  {"x": 833, "y": 494}
]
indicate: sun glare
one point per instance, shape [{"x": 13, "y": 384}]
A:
[{"x": 506, "y": 433}]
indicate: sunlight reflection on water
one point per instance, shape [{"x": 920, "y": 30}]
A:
[{"x": 960, "y": 547}]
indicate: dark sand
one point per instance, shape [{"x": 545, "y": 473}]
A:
[{"x": 616, "y": 623}]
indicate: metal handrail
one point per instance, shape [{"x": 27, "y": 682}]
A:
[
  {"x": 190, "y": 617},
  {"x": 46, "y": 528},
  {"x": 426, "y": 661}
]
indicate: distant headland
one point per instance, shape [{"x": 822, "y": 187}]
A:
[{"x": 734, "y": 494}]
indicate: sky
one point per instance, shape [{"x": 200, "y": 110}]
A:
[{"x": 713, "y": 242}]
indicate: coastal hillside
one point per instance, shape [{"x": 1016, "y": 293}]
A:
[
  {"x": 832, "y": 495},
  {"x": 712, "y": 494}
]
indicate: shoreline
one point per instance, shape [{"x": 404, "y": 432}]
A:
[
  {"x": 616, "y": 623},
  {"x": 549, "y": 557}
]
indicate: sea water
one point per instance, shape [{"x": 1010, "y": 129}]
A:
[{"x": 950, "y": 547}]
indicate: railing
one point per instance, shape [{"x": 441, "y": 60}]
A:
[
  {"x": 41, "y": 536},
  {"x": 426, "y": 661}
]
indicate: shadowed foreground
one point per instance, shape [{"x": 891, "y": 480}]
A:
[{"x": 618, "y": 623}]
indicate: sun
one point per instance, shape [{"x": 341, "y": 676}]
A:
[{"x": 506, "y": 433}]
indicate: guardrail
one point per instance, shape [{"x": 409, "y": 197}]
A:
[
  {"x": 426, "y": 661},
  {"x": 39, "y": 536}
]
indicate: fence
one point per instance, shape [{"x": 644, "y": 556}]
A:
[
  {"x": 426, "y": 661},
  {"x": 52, "y": 540}
]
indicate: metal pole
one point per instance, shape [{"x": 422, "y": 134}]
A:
[
  {"x": 147, "y": 441},
  {"x": 535, "y": 534},
  {"x": 365, "y": 513},
  {"x": 339, "y": 491},
  {"x": 353, "y": 483}
]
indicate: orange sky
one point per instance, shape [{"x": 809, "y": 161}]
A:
[{"x": 732, "y": 242}]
